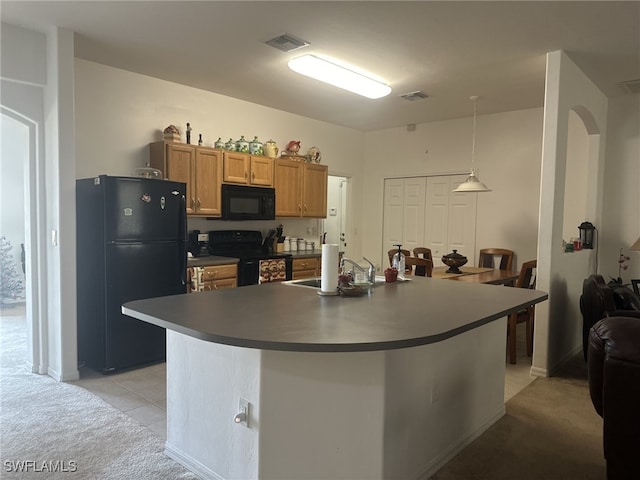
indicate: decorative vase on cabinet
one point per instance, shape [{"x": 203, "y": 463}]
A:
[{"x": 255, "y": 147}]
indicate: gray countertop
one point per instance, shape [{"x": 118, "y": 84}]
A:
[{"x": 286, "y": 317}]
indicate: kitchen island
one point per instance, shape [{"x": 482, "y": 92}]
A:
[{"x": 391, "y": 384}]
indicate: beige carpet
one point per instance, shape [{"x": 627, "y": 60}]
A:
[
  {"x": 550, "y": 431},
  {"x": 53, "y": 430}
]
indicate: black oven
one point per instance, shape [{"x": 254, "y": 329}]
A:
[
  {"x": 248, "y": 203},
  {"x": 257, "y": 263}
]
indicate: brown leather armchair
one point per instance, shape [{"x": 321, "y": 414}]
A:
[
  {"x": 599, "y": 300},
  {"x": 614, "y": 385}
]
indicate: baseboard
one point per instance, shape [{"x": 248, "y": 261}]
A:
[
  {"x": 449, "y": 453},
  {"x": 190, "y": 463},
  {"x": 550, "y": 372}
]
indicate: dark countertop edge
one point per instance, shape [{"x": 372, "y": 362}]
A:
[
  {"x": 322, "y": 347},
  {"x": 304, "y": 253},
  {"x": 210, "y": 260}
]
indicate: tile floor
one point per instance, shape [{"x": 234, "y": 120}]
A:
[{"x": 141, "y": 393}]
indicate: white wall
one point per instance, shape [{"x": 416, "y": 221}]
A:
[
  {"x": 620, "y": 225},
  {"x": 558, "y": 322},
  {"x": 508, "y": 155}
]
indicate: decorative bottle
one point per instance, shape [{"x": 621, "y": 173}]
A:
[{"x": 398, "y": 262}]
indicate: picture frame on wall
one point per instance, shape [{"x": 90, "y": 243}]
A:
[{"x": 636, "y": 285}]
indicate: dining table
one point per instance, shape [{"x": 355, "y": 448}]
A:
[{"x": 486, "y": 275}]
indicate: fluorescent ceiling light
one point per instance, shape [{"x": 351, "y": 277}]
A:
[{"x": 339, "y": 76}]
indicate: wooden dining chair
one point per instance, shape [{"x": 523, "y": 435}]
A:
[
  {"x": 423, "y": 252},
  {"x": 423, "y": 266},
  {"x": 487, "y": 255},
  {"x": 526, "y": 279},
  {"x": 406, "y": 253}
]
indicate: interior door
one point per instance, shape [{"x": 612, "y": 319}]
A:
[
  {"x": 450, "y": 218},
  {"x": 462, "y": 221},
  {"x": 413, "y": 213},
  {"x": 437, "y": 217},
  {"x": 393, "y": 215},
  {"x": 404, "y": 209}
]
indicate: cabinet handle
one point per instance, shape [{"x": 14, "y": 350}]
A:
[
  {"x": 305, "y": 207},
  {"x": 215, "y": 286},
  {"x": 253, "y": 175},
  {"x": 245, "y": 174},
  {"x": 193, "y": 203},
  {"x": 299, "y": 207},
  {"x": 198, "y": 203}
]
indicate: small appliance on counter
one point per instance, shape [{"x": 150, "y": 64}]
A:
[{"x": 199, "y": 243}]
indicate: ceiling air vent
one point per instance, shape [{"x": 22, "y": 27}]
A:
[
  {"x": 631, "y": 86},
  {"x": 286, "y": 42},
  {"x": 417, "y": 95}
]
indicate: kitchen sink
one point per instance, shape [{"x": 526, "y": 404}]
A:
[{"x": 316, "y": 282}]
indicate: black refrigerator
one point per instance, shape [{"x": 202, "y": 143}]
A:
[{"x": 131, "y": 245}]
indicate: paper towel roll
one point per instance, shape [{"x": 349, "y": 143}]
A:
[{"x": 329, "y": 278}]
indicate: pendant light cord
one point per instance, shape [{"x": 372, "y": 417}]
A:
[{"x": 473, "y": 137}]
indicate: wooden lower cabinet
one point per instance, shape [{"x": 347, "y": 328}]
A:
[
  {"x": 212, "y": 277},
  {"x": 305, "y": 267}
]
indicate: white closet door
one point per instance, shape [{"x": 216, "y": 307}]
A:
[
  {"x": 393, "y": 215},
  {"x": 437, "y": 217},
  {"x": 403, "y": 223},
  {"x": 414, "y": 207},
  {"x": 450, "y": 218},
  {"x": 462, "y": 221}
]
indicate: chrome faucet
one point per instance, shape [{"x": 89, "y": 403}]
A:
[
  {"x": 371, "y": 273},
  {"x": 348, "y": 260}
]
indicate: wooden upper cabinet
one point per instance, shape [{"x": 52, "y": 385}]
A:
[
  {"x": 288, "y": 185},
  {"x": 236, "y": 168},
  {"x": 301, "y": 189},
  {"x": 261, "y": 171},
  {"x": 208, "y": 178},
  {"x": 199, "y": 167},
  {"x": 246, "y": 169},
  {"x": 314, "y": 190}
]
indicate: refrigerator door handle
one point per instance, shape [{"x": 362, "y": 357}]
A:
[{"x": 182, "y": 221}]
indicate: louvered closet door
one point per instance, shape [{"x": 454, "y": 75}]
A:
[
  {"x": 414, "y": 208},
  {"x": 404, "y": 210},
  {"x": 450, "y": 218}
]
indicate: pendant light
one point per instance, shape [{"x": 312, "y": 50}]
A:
[{"x": 472, "y": 183}]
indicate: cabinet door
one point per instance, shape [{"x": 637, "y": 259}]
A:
[
  {"x": 208, "y": 178},
  {"x": 219, "y": 284},
  {"x": 236, "y": 168},
  {"x": 314, "y": 203},
  {"x": 180, "y": 168},
  {"x": 305, "y": 268},
  {"x": 262, "y": 171},
  {"x": 288, "y": 185}
]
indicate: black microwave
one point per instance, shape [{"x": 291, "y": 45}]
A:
[{"x": 248, "y": 203}]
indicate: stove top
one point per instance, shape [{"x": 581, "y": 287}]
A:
[{"x": 242, "y": 244}]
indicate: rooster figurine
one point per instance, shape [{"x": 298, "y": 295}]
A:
[{"x": 293, "y": 147}]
